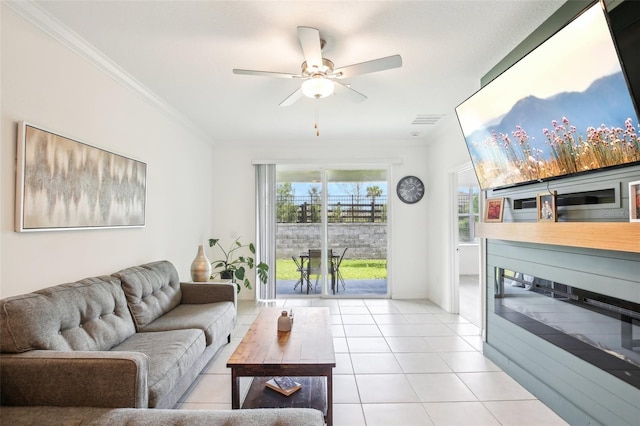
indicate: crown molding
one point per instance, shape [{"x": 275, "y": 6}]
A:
[
  {"x": 50, "y": 25},
  {"x": 342, "y": 162}
]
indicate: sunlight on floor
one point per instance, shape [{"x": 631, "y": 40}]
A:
[{"x": 398, "y": 362}]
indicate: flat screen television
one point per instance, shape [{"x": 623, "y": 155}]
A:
[{"x": 564, "y": 108}]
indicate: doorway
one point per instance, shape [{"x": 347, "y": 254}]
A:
[
  {"x": 340, "y": 213},
  {"x": 467, "y": 246}
]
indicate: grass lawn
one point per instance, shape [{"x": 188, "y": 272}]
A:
[{"x": 351, "y": 269}]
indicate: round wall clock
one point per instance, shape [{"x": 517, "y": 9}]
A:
[{"x": 410, "y": 189}]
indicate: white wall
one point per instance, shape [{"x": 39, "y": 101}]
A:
[
  {"x": 46, "y": 84},
  {"x": 407, "y": 266}
]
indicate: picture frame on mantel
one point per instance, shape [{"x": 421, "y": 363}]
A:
[
  {"x": 547, "y": 209},
  {"x": 494, "y": 210},
  {"x": 634, "y": 201},
  {"x": 64, "y": 184}
]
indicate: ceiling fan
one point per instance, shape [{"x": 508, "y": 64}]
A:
[{"x": 319, "y": 75}]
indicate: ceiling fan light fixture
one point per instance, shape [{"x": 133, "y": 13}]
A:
[
  {"x": 317, "y": 87},
  {"x": 319, "y": 75}
]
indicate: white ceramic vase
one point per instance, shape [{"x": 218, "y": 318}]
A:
[
  {"x": 284, "y": 322},
  {"x": 200, "y": 267}
]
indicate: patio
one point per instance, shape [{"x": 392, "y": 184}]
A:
[{"x": 284, "y": 288}]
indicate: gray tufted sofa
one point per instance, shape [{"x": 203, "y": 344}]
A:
[{"x": 137, "y": 338}]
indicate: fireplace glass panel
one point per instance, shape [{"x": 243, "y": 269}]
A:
[{"x": 600, "y": 329}]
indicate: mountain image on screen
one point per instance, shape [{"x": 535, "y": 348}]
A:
[
  {"x": 567, "y": 133},
  {"x": 606, "y": 102}
]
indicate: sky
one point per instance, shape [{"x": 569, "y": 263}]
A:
[
  {"x": 302, "y": 189},
  {"x": 340, "y": 181}
]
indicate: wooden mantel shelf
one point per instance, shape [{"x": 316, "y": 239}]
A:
[{"x": 618, "y": 236}]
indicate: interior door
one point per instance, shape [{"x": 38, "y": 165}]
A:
[{"x": 467, "y": 211}]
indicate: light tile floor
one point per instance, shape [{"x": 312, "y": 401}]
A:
[{"x": 398, "y": 362}]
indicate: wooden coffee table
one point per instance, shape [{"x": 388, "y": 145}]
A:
[{"x": 305, "y": 353}]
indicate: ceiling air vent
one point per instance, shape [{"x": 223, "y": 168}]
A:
[{"x": 427, "y": 118}]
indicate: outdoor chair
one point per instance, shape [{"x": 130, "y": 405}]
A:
[
  {"x": 337, "y": 270},
  {"x": 315, "y": 265},
  {"x": 304, "y": 278}
]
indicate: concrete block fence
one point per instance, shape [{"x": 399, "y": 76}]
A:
[{"x": 364, "y": 240}]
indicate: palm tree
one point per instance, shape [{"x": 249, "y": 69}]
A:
[{"x": 373, "y": 192}]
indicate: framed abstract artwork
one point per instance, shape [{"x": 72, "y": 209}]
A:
[{"x": 64, "y": 184}]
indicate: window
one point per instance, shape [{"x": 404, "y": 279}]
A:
[{"x": 468, "y": 213}]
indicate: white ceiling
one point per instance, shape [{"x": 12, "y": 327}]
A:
[{"x": 184, "y": 51}]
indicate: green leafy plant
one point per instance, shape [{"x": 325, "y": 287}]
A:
[{"x": 235, "y": 265}]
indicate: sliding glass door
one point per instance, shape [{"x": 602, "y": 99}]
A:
[
  {"x": 331, "y": 232},
  {"x": 299, "y": 230},
  {"x": 357, "y": 231}
]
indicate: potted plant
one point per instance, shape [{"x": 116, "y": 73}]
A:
[{"x": 234, "y": 266}]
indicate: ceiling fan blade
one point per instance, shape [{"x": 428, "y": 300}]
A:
[
  {"x": 375, "y": 65},
  {"x": 310, "y": 42},
  {"x": 354, "y": 95},
  {"x": 292, "y": 98},
  {"x": 265, "y": 73}
]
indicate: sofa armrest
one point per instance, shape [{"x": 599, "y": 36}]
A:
[
  {"x": 75, "y": 378},
  {"x": 208, "y": 293}
]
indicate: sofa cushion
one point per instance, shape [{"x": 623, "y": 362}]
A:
[
  {"x": 171, "y": 354},
  {"x": 214, "y": 319},
  {"x": 87, "y": 416},
  {"x": 88, "y": 315},
  {"x": 152, "y": 290}
]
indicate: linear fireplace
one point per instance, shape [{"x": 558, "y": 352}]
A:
[{"x": 600, "y": 329}]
